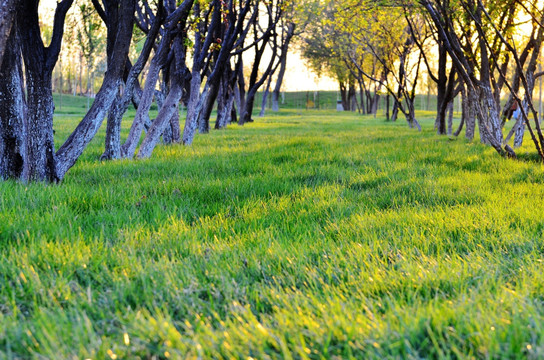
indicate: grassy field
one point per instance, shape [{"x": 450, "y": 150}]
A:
[{"x": 311, "y": 236}]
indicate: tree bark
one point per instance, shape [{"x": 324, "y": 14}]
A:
[
  {"x": 265, "y": 96},
  {"x": 129, "y": 147},
  {"x": 72, "y": 149},
  {"x": 7, "y": 14},
  {"x": 131, "y": 88},
  {"x": 159, "y": 125},
  {"x": 450, "y": 117},
  {"x": 283, "y": 66},
  {"x": 13, "y": 132}
]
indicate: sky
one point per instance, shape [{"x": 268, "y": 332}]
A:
[{"x": 298, "y": 76}]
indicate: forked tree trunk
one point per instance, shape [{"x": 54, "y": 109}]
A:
[
  {"x": 72, "y": 149},
  {"x": 129, "y": 147},
  {"x": 470, "y": 117},
  {"x": 163, "y": 120},
  {"x": 131, "y": 93}
]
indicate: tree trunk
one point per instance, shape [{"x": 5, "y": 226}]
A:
[
  {"x": 441, "y": 86},
  {"x": 131, "y": 92},
  {"x": 265, "y": 96},
  {"x": 395, "y": 112},
  {"x": 40, "y": 145},
  {"x": 72, "y": 149},
  {"x": 344, "y": 96},
  {"x": 129, "y": 147},
  {"x": 191, "y": 119},
  {"x": 225, "y": 101},
  {"x": 469, "y": 114},
  {"x": 450, "y": 117},
  {"x": 387, "y": 99},
  {"x": 283, "y": 66},
  {"x": 174, "y": 125},
  {"x": 163, "y": 120},
  {"x": 245, "y": 115},
  {"x": 411, "y": 115},
  {"x": 7, "y": 14},
  {"x": 13, "y": 132}
]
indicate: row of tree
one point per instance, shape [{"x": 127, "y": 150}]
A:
[
  {"x": 193, "y": 52},
  {"x": 484, "y": 52}
]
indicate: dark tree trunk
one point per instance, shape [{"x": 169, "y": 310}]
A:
[
  {"x": 395, "y": 112},
  {"x": 7, "y": 14},
  {"x": 254, "y": 81},
  {"x": 175, "y": 127},
  {"x": 13, "y": 132},
  {"x": 368, "y": 101},
  {"x": 240, "y": 86},
  {"x": 225, "y": 100},
  {"x": 362, "y": 96},
  {"x": 344, "y": 95},
  {"x": 245, "y": 116},
  {"x": 450, "y": 117},
  {"x": 39, "y": 63},
  {"x": 441, "y": 86},
  {"x": 387, "y": 98},
  {"x": 469, "y": 116},
  {"x": 265, "y": 97},
  {"x": 222, "y": 101},
  {"x": 351, "y": 97}
]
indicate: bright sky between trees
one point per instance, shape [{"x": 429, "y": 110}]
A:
[{"x": 298, "y": 76}]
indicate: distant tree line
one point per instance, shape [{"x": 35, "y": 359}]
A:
[
  {"x": 483, "y": 52},
  {"x": 192, "y": 52}
]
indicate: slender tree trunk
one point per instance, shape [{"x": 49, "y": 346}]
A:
[
  {"x": 191, "y": 119},
  {"x": 387, "y": 99},
  {"x": 395, "y": 112},
  {"x": 265, "y": 96},
  {"x": 362, "y": 97},
  {"x": 174, "y": 125},
  {"x": 469, "y": 114},
  {"x": 283, "y": 66},
  {"x": 450, "y": 117}
]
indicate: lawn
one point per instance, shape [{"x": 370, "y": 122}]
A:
[{"x": 303, "y": 235}]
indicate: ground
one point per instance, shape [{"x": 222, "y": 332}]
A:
[{"x": 303, "y": 235}]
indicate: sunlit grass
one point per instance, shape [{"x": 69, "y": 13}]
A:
[{"x": 317, "y": 235}]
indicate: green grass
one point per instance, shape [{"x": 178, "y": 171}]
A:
[{"x": 320, "y": 235}]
